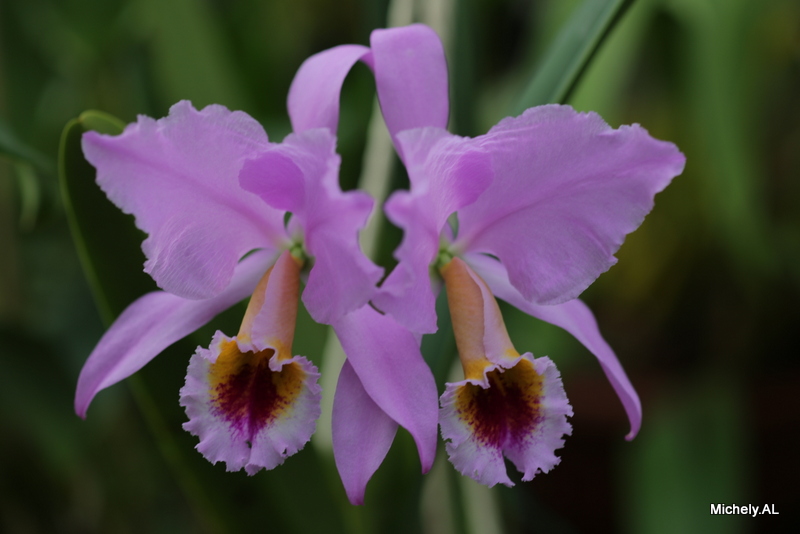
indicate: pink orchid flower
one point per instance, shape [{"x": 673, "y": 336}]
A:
[
  {"x": 542, "y": 201},
  {"x": 212, "y": 193}
]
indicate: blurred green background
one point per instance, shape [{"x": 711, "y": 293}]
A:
[{"x": 702, "y": 307}]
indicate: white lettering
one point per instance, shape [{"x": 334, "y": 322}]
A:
[
  {"x": 742, "y": 509},
  {"x": 769, "y": 509}
]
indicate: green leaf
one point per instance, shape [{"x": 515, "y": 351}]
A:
[
  {"x": 190, "y": 57},
  {"x": 571, "y": 52},
  {"x": 723, "y": 73},
  {"x": 108, "y": 242},
  {"x": 12, "y": 147},
  {"x": 690, "y": 455}
]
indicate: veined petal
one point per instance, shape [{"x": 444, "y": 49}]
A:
[
  {"x": 387, "y": 359},
  {"x": 307, "y": 183},
  {"x": 314, "y": 94},
  {"x": 250, "y": 409},
  {"x": 567, "y": 190},
  {"x": 574, "y": 317},
  {"x": 154, "y": 322},
  {"x": 179, "y": 177},
  {"x": 410, "y": 78},
  {"x": 447, "y": 172},
  {"x": 362, "y": 434},
  {"x": 517, "y": 409}
]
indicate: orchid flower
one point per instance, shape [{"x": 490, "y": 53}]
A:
[
  {"x": 212, "y": 193},
  {"x": 542, "y": 202},
  {"x": 539, "y": 206}
]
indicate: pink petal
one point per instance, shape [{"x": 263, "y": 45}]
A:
[
  {"x": 574, "y": 317},
  {"x": 154, "y": 322},
  {"x": 518, "y": 409},
  {"x": 362, "y": 434},
  {"x": 276, "y": 178},
  {"x": 410, "y": 78},
  {"x": 254, "y": 411},
  {"x": 314, "y": 94},
  {"x": 179, "y": 177},
  {"x": 307, "y": 181},
  {"x": 387, "y": 359},
  {"x": 567, "y": 190},
  {"x": 446, "y": 172}
]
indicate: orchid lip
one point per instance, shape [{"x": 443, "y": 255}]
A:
[
  {"x": 503, "y": 408},
  {"x": 247, "y": 391},
  {"x": 517, "y": 409},
  {"x": 250, "y": 409},
  {"x": 507, "y": 405},
  {"x": 248, "y": 399}
]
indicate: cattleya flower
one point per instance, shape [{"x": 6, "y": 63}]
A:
[
  {"x": 213, "y": 195},
  {"x": 531, "y": 213},
  {"x": 540, "y": 204}
]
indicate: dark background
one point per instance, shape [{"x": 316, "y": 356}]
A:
[{"x": 702, "y": 307}]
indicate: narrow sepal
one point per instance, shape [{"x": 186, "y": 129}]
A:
[
  {"x": 313, "y": 100},
  {"x": 387, "y": 359},
  {"x": 362, "y": 434},
  {"x": 410, "y": 78}
]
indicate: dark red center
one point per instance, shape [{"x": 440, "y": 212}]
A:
[
  {"x": 508, "y": 411},
  {"x": 247, "y": 393}
]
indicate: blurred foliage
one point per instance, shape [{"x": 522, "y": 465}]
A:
[{"x": 701, "y": 307}]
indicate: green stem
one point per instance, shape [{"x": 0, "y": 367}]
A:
[
  {"x": 196, "y": 498},
  {"x": 571, "y": 53}
]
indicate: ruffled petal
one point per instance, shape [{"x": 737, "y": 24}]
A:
[
  {"x": 387, "y": 359},
  {"x": 577, "y": 319},
  {"x": 314, "y": 94},
  {"x": 567, "y": 190},
  {"x": 410, "y": 78},
  {"x": 362, "y": 434},
  {"x": 250, "y": 409},
  {"x": 342, "y": 278},
  {"x": 518, "y": 409},
  {"x": 154, "y": 322},
  {"x": 447, "y": 172},
  {"x": 179, "y": 177}
]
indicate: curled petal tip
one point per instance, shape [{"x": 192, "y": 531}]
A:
[
  {"x": 633, "y": 433},
  {"x": 80, "y": 411}
]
